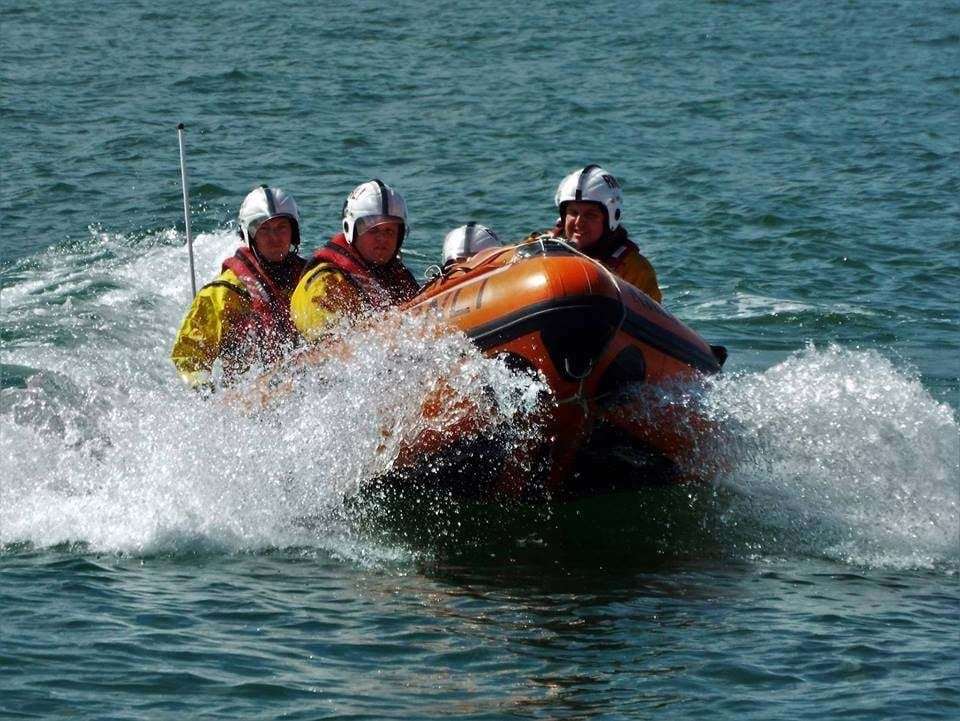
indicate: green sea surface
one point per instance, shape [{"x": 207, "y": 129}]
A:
[{"x": 790, "y": 169}]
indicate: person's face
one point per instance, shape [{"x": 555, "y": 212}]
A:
[
  {"x": 274, "y": 238},
  {"x": 378, "y": 245},
  {"x": 583, "y": 224}
]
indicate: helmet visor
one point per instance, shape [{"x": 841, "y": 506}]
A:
[
  {"x": 254, "y": 226},
  {"x": 372, "y": 221}
]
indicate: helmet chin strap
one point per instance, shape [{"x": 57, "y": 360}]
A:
[
  {"x": 256, "y": 251},
  {"x": 269, "y": 263}
]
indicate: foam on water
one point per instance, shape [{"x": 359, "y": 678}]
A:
[
  {"x": 841, "y": 454},
  {"x": 747, "y": 306},
  {"x": 833, "y": 452},
  {"x": 156, "y": 470},
  {"x": 104, "y": 446}
]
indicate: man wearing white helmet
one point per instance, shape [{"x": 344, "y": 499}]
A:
[
  {"x": 466, "y": 241},
  {"x": 590, "y": 202},
  {"x": 360, "y": 269},
  {"x": 460, "y": 245},
  {"x": 243, "y": 317}
]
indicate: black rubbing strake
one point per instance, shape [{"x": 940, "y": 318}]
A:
[{"x": 533, "y": 317}]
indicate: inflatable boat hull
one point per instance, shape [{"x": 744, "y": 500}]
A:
[{"x": 544, "y": 307}]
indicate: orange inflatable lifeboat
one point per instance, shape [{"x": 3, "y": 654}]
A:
[{"x": 546, "y": 307}]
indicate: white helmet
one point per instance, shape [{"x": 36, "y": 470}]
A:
[
  {"x": 460, "y": 243},
  {"x": 262, "y": 204},
  {"x": 373, "y": 201},
  {"x": 593, "y": 184}
]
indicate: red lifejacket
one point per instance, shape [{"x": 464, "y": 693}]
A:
[
  {"x": 380, "y": 286},
  {"x": 268, "y": 322}
]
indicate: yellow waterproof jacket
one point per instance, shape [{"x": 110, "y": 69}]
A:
[
  {"x": 323, "y": 296},
  {"x": 213, "y": 328},
  {"x": 628, "y": 263},
  {"x": 241, "y": 318},
  {"x": 339, "y": 283}
]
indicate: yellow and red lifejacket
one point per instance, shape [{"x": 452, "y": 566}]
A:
[
  {"x": 269, "y": 294},
  {"x": 382, "y": 286}
]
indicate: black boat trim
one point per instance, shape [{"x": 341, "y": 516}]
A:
[
  {"x": 669, "y": 343},
  {"x": 533, "y": 318}
]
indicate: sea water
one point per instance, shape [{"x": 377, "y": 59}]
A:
[{"x": 789, "y": 169}]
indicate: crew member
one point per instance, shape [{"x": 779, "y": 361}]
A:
[
  {"x": 460, "y": 245},
  {"x": 589, "y": 201},
  {"x": 243, "y": 317},
  {"x": 359, "y": 270},
  {"x": 463, "y": 243}
]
